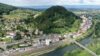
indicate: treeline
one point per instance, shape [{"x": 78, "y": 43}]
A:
[{"x": 6, "y": 8}]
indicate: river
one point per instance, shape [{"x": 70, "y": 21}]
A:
[{"x": 61, "y": 51}]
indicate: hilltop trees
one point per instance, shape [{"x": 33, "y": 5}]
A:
[
  {"x": 56, "y": 19},
  {"x": 6, "y": 8}
]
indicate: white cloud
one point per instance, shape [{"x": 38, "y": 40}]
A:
[
  {"x": 92, "y": 2},
  {"x": 67, "y": 2},
  {"x": 50, "y": 2}
]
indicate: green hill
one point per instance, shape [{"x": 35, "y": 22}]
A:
[
  {"x": 57, "y": 19},
  {"x": 6, "y": 8}
]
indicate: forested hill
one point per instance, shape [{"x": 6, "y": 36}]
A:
[
  {"x": 6, "y": 8},
  {"x": 57, "y": 19}
]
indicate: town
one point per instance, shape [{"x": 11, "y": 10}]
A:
[
  {"x": 49, "y": 28},
  {"x": 44, "y": 41}
]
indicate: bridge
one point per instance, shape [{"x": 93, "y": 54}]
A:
[
  {"x": 82, "y": 46},
  {"x": 79, "y": 44}
]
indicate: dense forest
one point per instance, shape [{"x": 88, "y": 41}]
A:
[
  {"x": 57, "y": 19},
  {"x": 6, "y": 8}
]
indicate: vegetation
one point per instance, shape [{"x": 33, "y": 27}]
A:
[
  {"x": 24, "y": 22},
  {"x": 97, "y": 30},
  {"x": 94, "y": 46},
  {"x": 18, "y": 21},
  {"x": 6, "y": 8},
  {"x": 5, "y": 39},
  {"x": 57, "y": 19},
  {"x": 1, "y": 49}
]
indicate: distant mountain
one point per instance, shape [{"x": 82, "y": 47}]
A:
[
  {"x": 66, "y": 6},
  {"x": 36, "y": 7},
  {"x": 57, "y": 19},
  {"x": 6, "y": 8},
  {"x": 83, "y": 6}
]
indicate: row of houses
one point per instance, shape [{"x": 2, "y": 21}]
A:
[
  {"x": 46, "y": 40},
  {"x": 84, "y": 26}
]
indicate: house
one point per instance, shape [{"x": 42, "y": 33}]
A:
[
  {"x": 47, "y": 41},
  {"x": 10, "y": 35}
]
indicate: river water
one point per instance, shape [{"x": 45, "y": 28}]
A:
[{"x": 61, "y": 51}]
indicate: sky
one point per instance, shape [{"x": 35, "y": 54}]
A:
[{"x": 50, "y": 2}]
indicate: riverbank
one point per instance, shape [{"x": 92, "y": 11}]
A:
[
  {"x": 51, "y": 48},
  {"x": 94, "y": 46},
  {"x": 68, "y": 48},
  {"x": 83, "y": 35},
  {"x": 65, "y": 43},
  {"x": 46, "y": 49}
]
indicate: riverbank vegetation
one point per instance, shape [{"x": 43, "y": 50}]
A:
[{"x": 94, "y": 46}]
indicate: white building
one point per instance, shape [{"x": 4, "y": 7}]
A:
[
  {"x": 47, "y": 41},
  {"x": 10, "y": 35}
]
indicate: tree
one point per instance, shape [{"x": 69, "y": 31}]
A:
[
  {"x": 18, "y": 36},
  {"x": 97, "y": 29},
  {"x": 56, "y": 19},
  {"x": 6, "y": 8}
]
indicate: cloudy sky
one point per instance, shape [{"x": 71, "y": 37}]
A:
[{"x": 50, "y": 2}]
